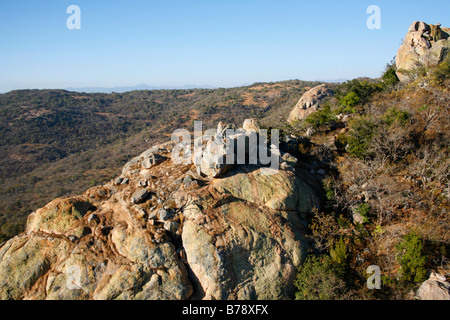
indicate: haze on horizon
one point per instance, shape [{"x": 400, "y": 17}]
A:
[{"x": 199, "y": 42}]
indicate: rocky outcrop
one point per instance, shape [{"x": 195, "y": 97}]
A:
[
  {"x": 309, "y": 102},
  {"x": 424, "y": 45},
  {"x": 435, "y": 288},
  {"x": 167, "y": 233},
  {"x": 218, "y": 152}
]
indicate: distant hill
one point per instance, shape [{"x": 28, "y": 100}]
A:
[{"x": 133, "y": 88}]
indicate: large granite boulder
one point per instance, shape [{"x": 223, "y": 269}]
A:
[
  {"x": 424, "y": 45},
  {"x": 309, "y": 102},
  {"x": 244, "y": 238},
  {"x": 435, "y": 288}
]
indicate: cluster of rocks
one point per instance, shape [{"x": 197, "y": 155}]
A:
[
  {"x": 424, "y": 45},
  {"x": 217, "y": 152}
]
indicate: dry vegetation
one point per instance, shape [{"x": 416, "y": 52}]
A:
[{"x": 387, "y": 187}]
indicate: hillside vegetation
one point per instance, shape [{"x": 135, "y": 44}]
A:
[{"x": 385, "y": 145}]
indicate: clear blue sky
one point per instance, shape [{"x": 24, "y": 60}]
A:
[{"x": 202, "y": 42}]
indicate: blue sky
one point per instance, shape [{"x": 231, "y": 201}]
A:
[{"x": 202, "y": 42}]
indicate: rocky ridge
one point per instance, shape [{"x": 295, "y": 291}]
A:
[{"x": 166, "y": 231}]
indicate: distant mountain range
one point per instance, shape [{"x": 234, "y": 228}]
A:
[
  {"x": 147, "y": 87},
  {"x": 132, "y": 88}
]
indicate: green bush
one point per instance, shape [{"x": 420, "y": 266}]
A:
[
  {"x": 364, "y": 210},
  {"x": 390, "y": 77},
  {"x": 328, "y": 188},
  {"x": 319, "y": 279},
  {"x": 411, "y": 258},
  {"x": 321, "y": 119},
  {"x": 354, "y": 92},
  {"x": 360, "y": 136},
  {"x": 441, "y": 73},
  {"x": 348, "y": 103},
  {"x": 396, "y": 116},
  {"x": 339, "y": 253}
]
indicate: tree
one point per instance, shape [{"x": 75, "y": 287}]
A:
[
  {"x": 412, "y": 260},
  {"x": 389, "y": 76}
]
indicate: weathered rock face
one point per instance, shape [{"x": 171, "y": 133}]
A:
[
  {"x": 309, "y": 102},
  {"x": 435, "y": 288},
  {"x": 424, "y": 44},
  {"x": 168, "y": 233}
]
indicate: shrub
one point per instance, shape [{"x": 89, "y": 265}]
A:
[
  {"x": 364, "y": 210},
  {"x": 441, "y": 73},
  {"x": 318, "y": 279},
  {"x": 362, "y": 131},
  {"x": 324, "y": 229},
  {"x": 354, "y": 92},
  {"x": 348, "y": 103},
  {"x": 321, "y": 119},
  {"x": 395, "y": 116},
  {"x": 339, "y": 253},
  {"x": 411, "y": 258},
  {"x": 389, "y": 77}
]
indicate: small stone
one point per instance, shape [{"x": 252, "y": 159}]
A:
[
  {"x": 72, "y": 238},
  {"x": 94, "y": 217},
  {"x": 139, "y": 196},
  {"x": 187, "y": 179},
  {"x": 118, "y": 180},
  {"x": 321, "y": 172},
  {"x": 142, "y": 183},
  {"x": 171, "y": 226},
  {"x": 164, "y": 214},
  {"x": 141, "y": 213},
  {"x": 152, "y": 215},
  {"x": 125, "y": 181}
]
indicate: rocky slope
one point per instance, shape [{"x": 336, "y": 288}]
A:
[
  {"x": 163, "y": 231},
  {"x": 424, "y": 45}
]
